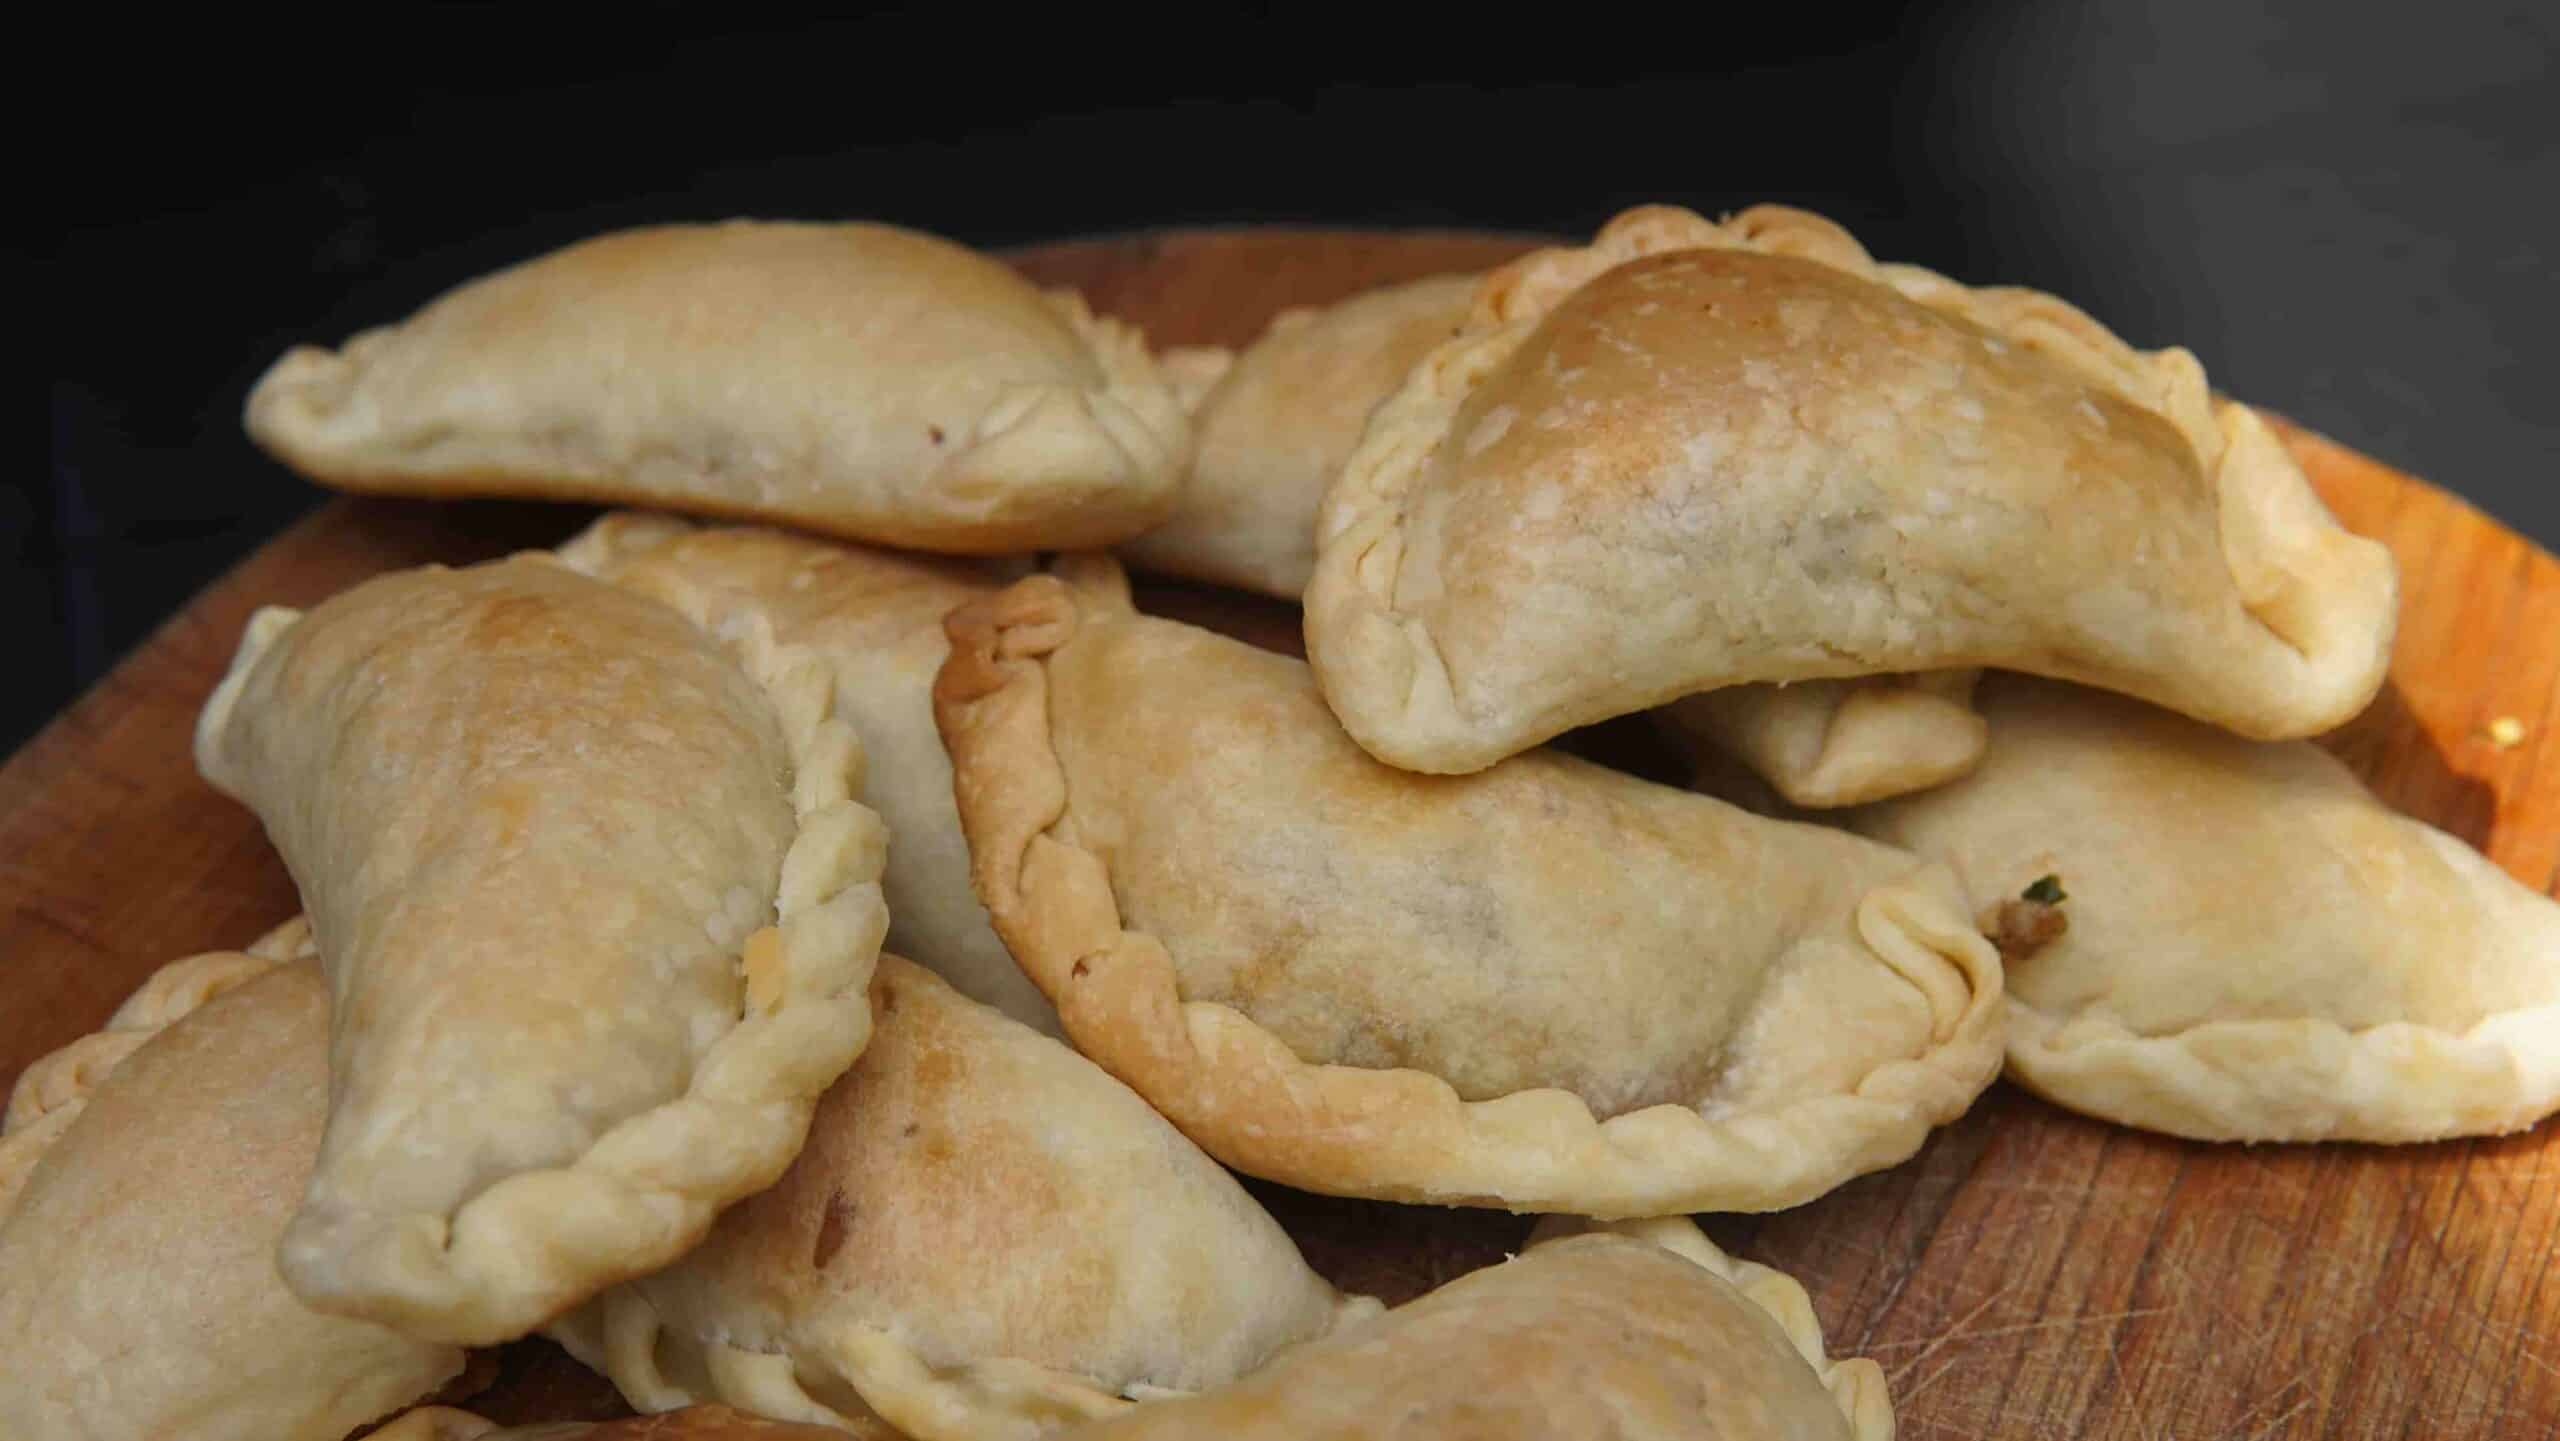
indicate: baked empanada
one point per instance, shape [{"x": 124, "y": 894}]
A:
[
  {"x": 858, "y": 379},
  {"x": 1272, "y": 429},
  {"x": 1823, "y": 743},
  {"x": 875, "y": 618},
  {"x": 2238, "y": 941},
  {"x": 1549, "y": 987},
  {"x": 138, "y": 1291},
  {"x": 694, "y": 1423},
  {"x": 985, "y": 1237},
  {"x": 1582, "y": 1338},
  {"x": 1693, "y": 455},
  {"x": 597, "y": 910}
]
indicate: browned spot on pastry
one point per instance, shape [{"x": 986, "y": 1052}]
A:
[
  {"x": 2020, "y": 928},
  {"x": 831, "y": 1229},
  {"x": 515, "y": 621},
  {"x": 1078, "y": 970},
  {"x": 936, "y": 432}
]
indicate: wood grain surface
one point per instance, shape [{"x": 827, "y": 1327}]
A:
[{"x": 2029, "y": 1274}]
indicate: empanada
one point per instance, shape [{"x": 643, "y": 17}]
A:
[
  {"x": 858, "y": 379},
  {"x": 1695, "y": 455},
  {"x": 2249, "y": 946},
  {"x": 875, "y": 618},
  {"x": 1582, "y": 1338},
  {"x": 694, "y": 1423},
  {"x": 1548, "y": 987},
  {"x": 985, "y": 1237},
  {"x": 1823, "y": 743},
  {"x": 138, "y": 1291},
  {"x": 1272, "y": 429},
  {"x": 597, "y": 910}
]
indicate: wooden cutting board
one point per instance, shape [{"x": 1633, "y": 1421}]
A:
[{"x": 2029, "y": 1274}]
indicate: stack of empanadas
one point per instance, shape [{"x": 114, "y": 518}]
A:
[{"x": 591, "y": 1032}]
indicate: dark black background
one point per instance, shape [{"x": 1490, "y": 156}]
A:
[{"x": 2346, "y": 209}]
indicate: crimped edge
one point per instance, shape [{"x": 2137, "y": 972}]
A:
[
  {"x": 1881, "y": 736},
  {"x": 53, "y": 1091},
  {"x": 1104, "y": 462},
  {"x": 618, "y": 537},
  {"x": 1195, "y": 372},
  {"x": 1059, "y": 462},
  {"x": 2298, "y": 1079},
  {"x": 1240, "y": 1093},
  {"x": 622, "y": 1337},
  {"x": 1856, "y": 1383},
  {"x": 2330, "y": 597},
  {"x": 495, "y": 1268}
]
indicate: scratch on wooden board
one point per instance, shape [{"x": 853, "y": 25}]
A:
[
  {"x": 2269, "y": 1399},
  {"x": 2124, "y": 1386},
  {"x": 1950, "y": 1335},
  {"x": 1925, "y": 1382},
  {"x": 2054, "y": 1323},
  {"x": 2296, "y": 1409}
]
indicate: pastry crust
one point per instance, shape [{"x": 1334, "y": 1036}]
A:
[
  {"x": 1273, "y": 425},
  {"x": 1494, "y": 991},
  {"x": 585, "y": 870},
  {"x": 694, "y": 1423},
  {"x": 1827, "y": 743},
  {"x": 875, "y": 618},
  {"x": 1693, "y": 455},
  {"x": 1646, "y": 1335},
  {"x": 984, "y": 1237},
  {"x": 189, "y": 1146},
  {"x": 2252, "y": 947},
  {"x": 67, "y": 1076},
  {"x": 860, "y": 379},
  {"x": 1857, "y": 1384}
]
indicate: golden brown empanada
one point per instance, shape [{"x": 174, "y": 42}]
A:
[
  {"x": 597, "y": 909},
  {"x": 858, "y": 379},
  {"x": 1646, "y": 1336},
  {"x": 2250, "y": 947},
  {"x": 985, "y": 1237},
  {"x": 138, "y": 1291},
  {"x": 694, "y": 1423},
  {"x": 1272, "y": 428},
  {"x": 875, "y": 618},
  {"x": 1548, "y": 987},
  {"x": 1823, "y": 743},
  {"x": 1693, "y": 455}
]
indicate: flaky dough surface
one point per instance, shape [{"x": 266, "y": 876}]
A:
[
  {"x": 1694, "y": 455},
  {"x": 2252, "y": 947},
  {"x": 872, "y": 382},
  {"x": 597, "y": 908},
  {"x": 1548, "y": 987}
]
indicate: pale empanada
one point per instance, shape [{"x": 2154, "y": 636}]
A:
[
  {"x": 859, "y": 379},
  {"x": 875, "y": 618},
  {"x": 138, "y": 1291},
  {"x": 1272, "y": 429},
  {"x": 597, "y": 909},
  {"x": 2250, "y": 947},
  {"x": 1823, "y": 743},
  {"x": 1694, "y": 455},
  {"x": 985, "y": 1237},
  {"x": 1548, "y": 987},
  {"x": 694, "y": 1423},
  {"x": 1646, "y": 1336}
]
